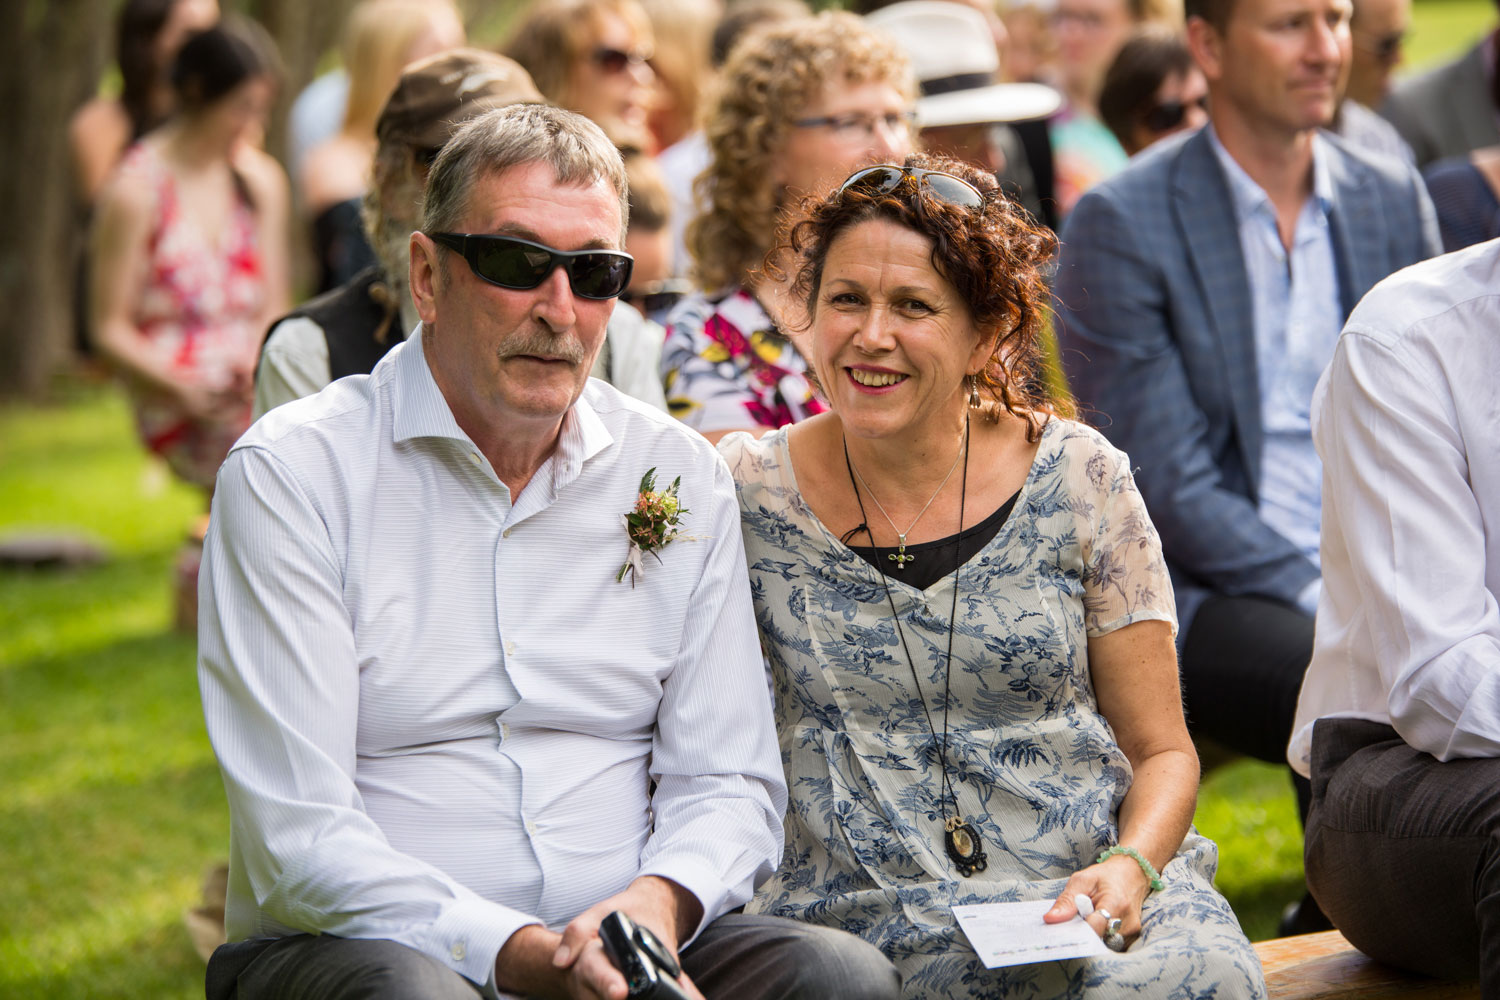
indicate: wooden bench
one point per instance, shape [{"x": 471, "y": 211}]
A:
[{"x": 1325, "y": 966}]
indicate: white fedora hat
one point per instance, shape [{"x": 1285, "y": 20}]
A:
[{"x": 953, "y": 55}]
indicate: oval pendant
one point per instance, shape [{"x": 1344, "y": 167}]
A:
[{"x": 964, "y": 847}]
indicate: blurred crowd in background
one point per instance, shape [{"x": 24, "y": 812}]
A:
[{"x": 193, "y": 241}]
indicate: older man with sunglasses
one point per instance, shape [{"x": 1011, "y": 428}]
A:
[
  {"x": 348, "y": 329},
  {"x": 477, "y": 651}
]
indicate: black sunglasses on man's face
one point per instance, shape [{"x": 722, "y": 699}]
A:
[{"x": 521, "y": 264}]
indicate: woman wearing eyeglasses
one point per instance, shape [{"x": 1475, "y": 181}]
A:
[
  {"x": 1153, "y": 89},
  {"x": 592, "y": 57},
  {"x": 968, "y": 620},
  {"x": 799, "y": 104}
]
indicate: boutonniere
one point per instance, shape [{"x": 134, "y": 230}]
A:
[{"x": 651, "y": 524}]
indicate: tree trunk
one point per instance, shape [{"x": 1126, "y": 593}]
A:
[{"x": 51, "y": 52}]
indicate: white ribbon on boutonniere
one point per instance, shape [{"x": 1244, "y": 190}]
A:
[{"x": 651, "y": 524}]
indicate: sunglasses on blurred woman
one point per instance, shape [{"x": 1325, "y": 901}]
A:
[
  {"x": 1386, "y": 49},
  {"x": 1167, "y": 115},
  {"x": 614, "y": 61},
  {"x": 658, "y": 296}
]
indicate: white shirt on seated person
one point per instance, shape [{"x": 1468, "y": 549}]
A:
[
  {"x": 438, "y": 713},
  {"x": 1406, "y": 421}
]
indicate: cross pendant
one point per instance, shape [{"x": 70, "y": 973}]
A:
[{"x": 900, "y": 558}]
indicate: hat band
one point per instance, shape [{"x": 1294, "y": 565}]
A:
[{"x": 959, "y": 81}]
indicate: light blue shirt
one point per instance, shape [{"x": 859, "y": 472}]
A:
[{"x": 1297, "y": 314}]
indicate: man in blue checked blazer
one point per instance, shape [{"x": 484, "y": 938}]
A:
[{"x": 1200, "y": 292}]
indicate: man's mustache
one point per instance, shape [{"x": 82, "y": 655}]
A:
[{"x": 543, "y": 344}]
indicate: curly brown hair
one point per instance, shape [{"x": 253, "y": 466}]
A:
[
  {"x": 992, "y": 255},
  {"x": 770, "y": 76}
]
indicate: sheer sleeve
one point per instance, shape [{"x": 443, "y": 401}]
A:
[{"x": 1125, "y": 578}]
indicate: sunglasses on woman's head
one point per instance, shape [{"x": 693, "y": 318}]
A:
[
  {"x": 1167, "y": 115},
  {"x": 521, "y": 264},
  {"x": 886, "y": 177}
]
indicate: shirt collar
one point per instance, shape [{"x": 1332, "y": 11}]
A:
[
  {"x": 583, "y": 436},
  {"x": 419, "y": 410},
  {"x": 1250, "y": 198}
]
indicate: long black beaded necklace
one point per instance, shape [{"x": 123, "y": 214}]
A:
[{"x": 961, "y": 841}]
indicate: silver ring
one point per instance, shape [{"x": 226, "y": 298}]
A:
[
  {"x": 1114, "y": 942},
  {"x": 1105, "y": 914},
  {"x": 1112, "y": 927}
]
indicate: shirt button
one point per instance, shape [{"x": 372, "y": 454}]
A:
[
  {"x": 474, "y": 457},
  {"x": 510, "y": 649},
  {"x": 504, "y": 731},
  {"x": 506, "y": 532},
  {"x": 458, "y": 951},
  {"x": 531, "y": 828}
]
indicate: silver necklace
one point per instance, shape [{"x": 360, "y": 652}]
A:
[{"x": 899, "y": 557}]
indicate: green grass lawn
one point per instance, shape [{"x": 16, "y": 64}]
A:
[
  {"x": 111, "y": 802},
  {"x": 1444, "y": 28}
]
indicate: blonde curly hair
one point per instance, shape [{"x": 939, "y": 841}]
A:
[{"x": 770, "y": 77}]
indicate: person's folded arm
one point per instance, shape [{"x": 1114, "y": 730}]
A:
[
  {"x": 720, "y": 790},
  {"x": 280, "y": 683},
  {"x": 1117, "y": 344},
  {"x": 1397, "y": 484}
]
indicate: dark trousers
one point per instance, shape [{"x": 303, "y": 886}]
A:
[
  {"x": 1242, "y": 665},
  {"x": 737, "y": 957},
  {"x": 1403, "y": 851}
]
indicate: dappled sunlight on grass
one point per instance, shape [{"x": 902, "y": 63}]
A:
[
  {"x": 111, "y": 805},
  {"x": 1249, "y": 810},
  {"x": 1443, "y": 29}
]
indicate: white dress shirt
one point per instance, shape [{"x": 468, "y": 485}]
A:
[
  {"x": 1407, "y": 420},
  {"x": 436, "y": 711}
]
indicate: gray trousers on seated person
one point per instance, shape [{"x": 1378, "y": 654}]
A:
[
  {"x": 1403, "y": 851},
  {"x": 737, "y": 957}
]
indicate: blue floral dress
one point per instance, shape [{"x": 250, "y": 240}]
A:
[{"x": 1035, "y": 766}]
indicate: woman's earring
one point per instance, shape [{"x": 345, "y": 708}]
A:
[{"x": 974, "y": 400}]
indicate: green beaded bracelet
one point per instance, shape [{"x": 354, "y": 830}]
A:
[{"x": 1138, "y": 858}]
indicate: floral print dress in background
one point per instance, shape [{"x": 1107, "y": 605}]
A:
[
  {"x": 726, "y": 367},
  {"x": 1035, "y": 765},
  {"x": 199, "y": 311}
]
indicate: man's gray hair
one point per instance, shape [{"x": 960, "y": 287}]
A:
[{"x": 578, "y": 151}]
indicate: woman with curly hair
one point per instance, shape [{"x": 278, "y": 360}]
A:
[
  {"x": 969, "y": 620},
  {"x": 799, "y": 104}
]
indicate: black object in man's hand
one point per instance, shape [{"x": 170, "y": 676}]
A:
[{"x": 649, "y": 969}]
